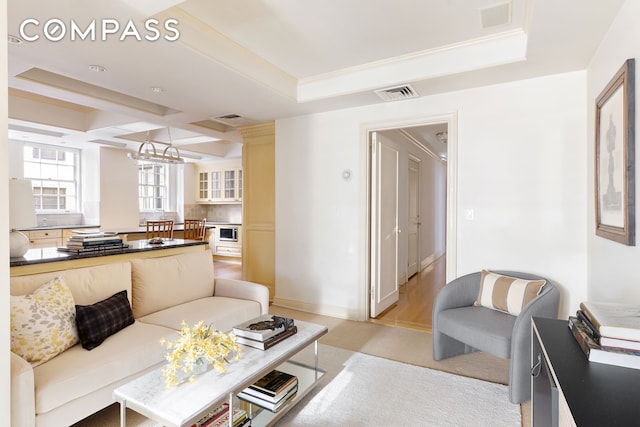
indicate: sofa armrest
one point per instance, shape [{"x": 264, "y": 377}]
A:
[
  {"x": 23, "y": 401},
  {"x": 244, "y": 290}
]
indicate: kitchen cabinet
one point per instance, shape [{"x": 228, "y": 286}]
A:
[
  {"x": 219, "y": 184},
  {"x": 226, "y": 248},
  {"x": 49, "y": 238}
]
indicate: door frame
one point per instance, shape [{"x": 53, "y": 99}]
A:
[
  {"x": 451, "y": 119},
  {"x": 418, "y": 162}
]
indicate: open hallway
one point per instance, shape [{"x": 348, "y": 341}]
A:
[{"x": 415, "y": 304}]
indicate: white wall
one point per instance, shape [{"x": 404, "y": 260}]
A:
[
  {"x": 5, "y": 343},
  {"x": 612, "y": 267},
  {"x": 521, "y": 169},
  {"x": 118, "y": 190},
  {"x": 90, "y": 182}
]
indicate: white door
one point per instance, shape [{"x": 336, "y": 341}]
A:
[
  {"x": 385, "y": 158},
  {"x": 413, "y": 224}
]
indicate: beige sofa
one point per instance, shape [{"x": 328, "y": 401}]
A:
[{"x": 163, "y": 292}]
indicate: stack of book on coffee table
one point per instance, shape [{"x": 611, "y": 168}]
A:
[
  {"x": 265, "y": 331},
  {"x": 271, "y": 391}
]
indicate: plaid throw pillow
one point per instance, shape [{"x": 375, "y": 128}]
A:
[{"x": 99, "y": 321}]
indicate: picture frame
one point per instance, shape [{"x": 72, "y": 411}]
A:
[{"x": 615, "y": 157}]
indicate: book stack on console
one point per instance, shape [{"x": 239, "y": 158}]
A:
[
  {"x": 608, "y": 333},
  {"x": 272, "y": 391},
  {"x": 220, "y": 417},
  {"x": 265, "y": 331},
  {"x": 95, "y": 242}
]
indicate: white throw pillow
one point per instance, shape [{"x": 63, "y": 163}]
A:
[{"x": 43, "y": 323}]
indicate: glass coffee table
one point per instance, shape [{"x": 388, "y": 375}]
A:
[{"x": 189, "y": 402}]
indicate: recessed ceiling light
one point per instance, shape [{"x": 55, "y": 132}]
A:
[
  {"x": 13, "y": 39},
  {"x": 157, "y": 89},
  {"x": 97, "y": 68}
]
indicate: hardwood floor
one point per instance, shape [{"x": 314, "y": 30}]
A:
[
  {"x": 228, "y": 270},
  {"x": 415, "y": 304},
  {"x": 414, "y": 307}
]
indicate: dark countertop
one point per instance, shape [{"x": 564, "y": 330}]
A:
[{"x": 43, "y": 255}]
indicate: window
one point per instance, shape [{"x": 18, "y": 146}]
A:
[
  {"x": 153, "y": 186},
  {"x": 53, "y": 172}
]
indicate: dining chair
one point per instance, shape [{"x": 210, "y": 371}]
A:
[
  {"x": 194, "y": 229},
  {"x": 160, "y": 228}
]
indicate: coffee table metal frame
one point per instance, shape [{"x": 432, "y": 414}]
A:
[{"x": 189, "y": 402}]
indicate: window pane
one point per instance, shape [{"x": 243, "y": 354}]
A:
[
  {"x": 152, "y": 179},
  {"x": 53, "y": 172}
]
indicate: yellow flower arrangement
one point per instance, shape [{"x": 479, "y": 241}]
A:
[{"x": 197, "y": 345}]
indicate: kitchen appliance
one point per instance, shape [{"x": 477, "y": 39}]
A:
[{"x": 228, "y": 234}]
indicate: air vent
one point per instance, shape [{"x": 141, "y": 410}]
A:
[
  {"x": 396, "y": 93},
  {"x": 234, "y": 120},
  {"x": 496, "y": 16}
]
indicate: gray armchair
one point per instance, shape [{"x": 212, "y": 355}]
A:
[{"x": 460, "y": 327}]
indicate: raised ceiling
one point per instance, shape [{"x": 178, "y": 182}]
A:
[{"x": 249, "y": 61}]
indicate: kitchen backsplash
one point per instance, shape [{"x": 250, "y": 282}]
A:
[
  {"x": 231, "y": 214},
  {"x": 55, "y": 220}
]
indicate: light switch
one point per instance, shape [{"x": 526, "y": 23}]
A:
[{"x": 469, "y": 214}]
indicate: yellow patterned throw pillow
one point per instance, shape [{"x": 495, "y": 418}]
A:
[{"x": 43, "y": 323}]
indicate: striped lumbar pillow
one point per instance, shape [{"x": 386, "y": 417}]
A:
[{"x": 508, "y": 294}]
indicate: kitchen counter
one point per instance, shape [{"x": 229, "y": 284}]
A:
[{"x": 50, "y": 259}]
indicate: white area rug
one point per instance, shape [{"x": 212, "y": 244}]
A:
[{"x": 362, "y": 390}]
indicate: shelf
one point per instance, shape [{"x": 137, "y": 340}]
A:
[{"x": 308, "y": 377}]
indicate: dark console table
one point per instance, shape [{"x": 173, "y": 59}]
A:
[{"x": 567, "y": 389}]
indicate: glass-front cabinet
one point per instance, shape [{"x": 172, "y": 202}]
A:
[
  {"x": 219, "y": 183},
  {"x": 203, "y": 185}
]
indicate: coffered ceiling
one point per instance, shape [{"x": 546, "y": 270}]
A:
[{"x": 117, "y": 72}]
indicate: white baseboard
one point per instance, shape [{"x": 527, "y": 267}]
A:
[
  {"x": 402, "y": 279},
  {"x": 430, "y": 260},
  {"x": 321, "y": 309}
]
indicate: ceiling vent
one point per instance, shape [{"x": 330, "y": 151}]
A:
[
  {"x": 234, "y": 120},
  {"x": 496, "y": 16},
  {"x": 397, "y": 93}
]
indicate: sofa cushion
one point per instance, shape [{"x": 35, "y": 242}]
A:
[
  {"x": 87, "y": 284},
  {"x": 159, "y": 283},
  {"x": 505, "y": 293},
  {"x": 43, "y": 322},
  {"x": 99, "y": 321},
  {"x": 78, "y": 372},
  {"x": 220, "y": 312}
]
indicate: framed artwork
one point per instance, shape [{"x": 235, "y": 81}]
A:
[{"x": 614, "y": 158}]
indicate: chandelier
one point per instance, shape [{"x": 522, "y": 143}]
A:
[{"x": 147, "y": 152}]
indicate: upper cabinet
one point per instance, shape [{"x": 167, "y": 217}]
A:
[{"x": 219, "y": 183}]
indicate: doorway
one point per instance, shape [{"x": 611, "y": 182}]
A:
[{"x": 409, "y": 189}]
